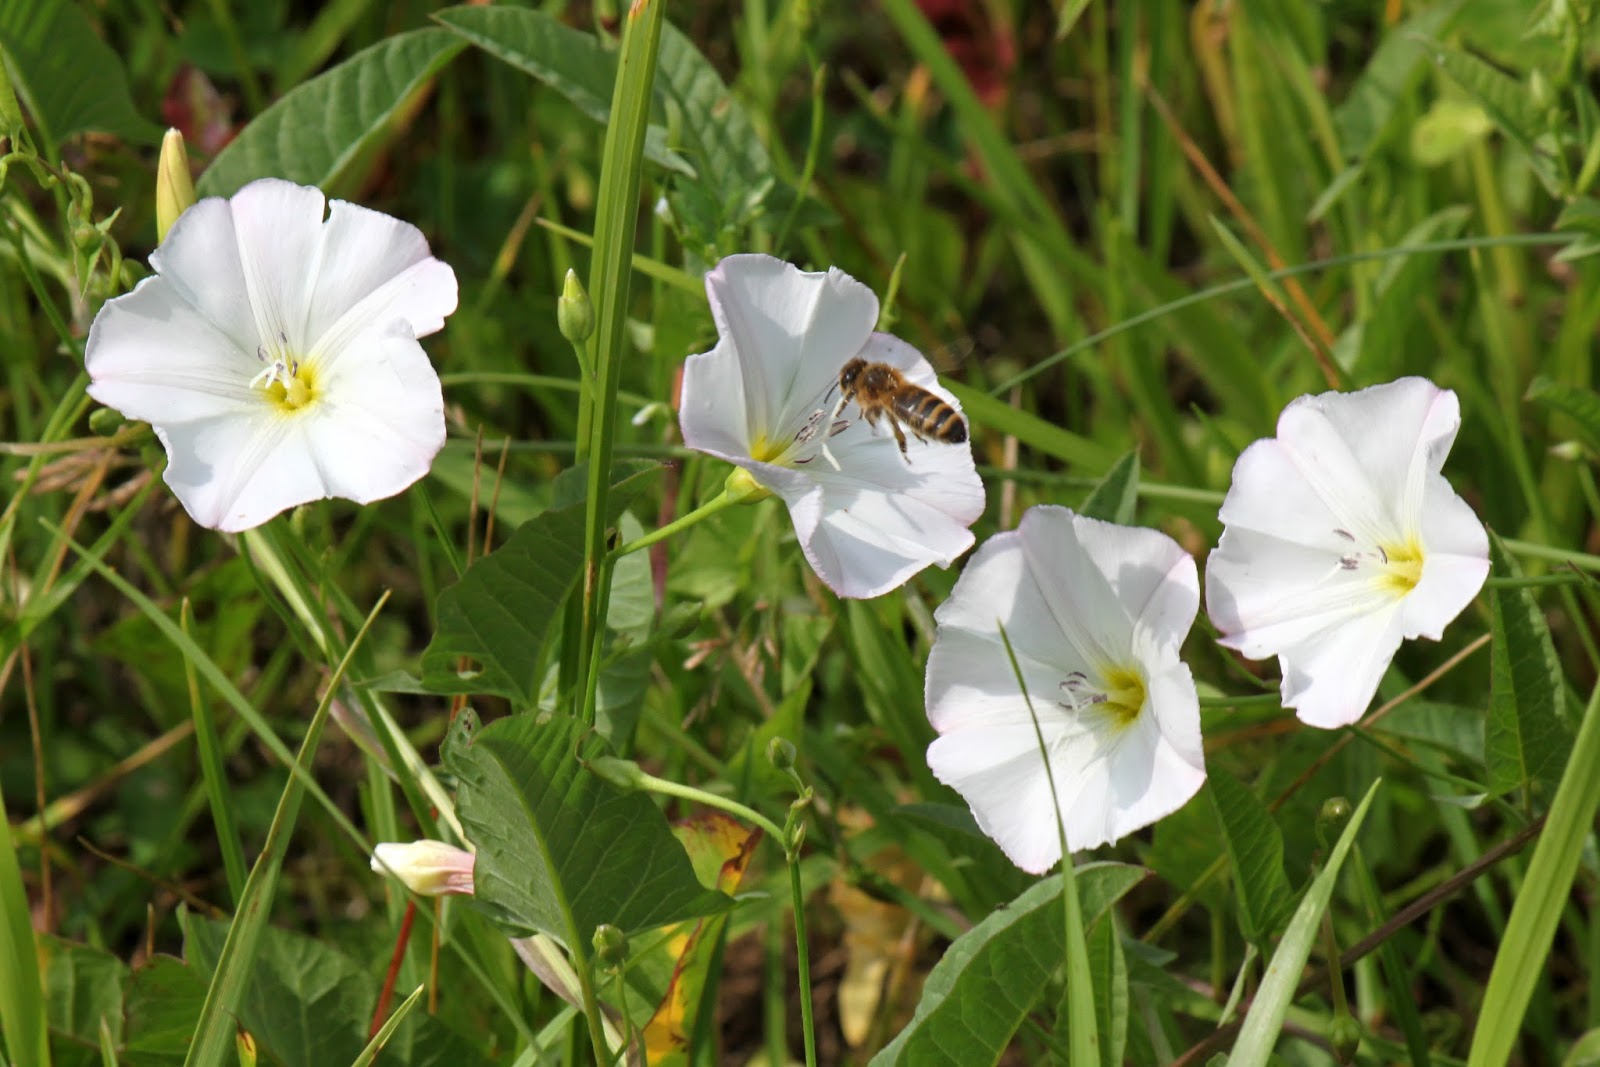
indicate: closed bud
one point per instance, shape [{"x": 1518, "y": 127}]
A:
[
  {"x": 574, "y": 312},
  {"x": 431, "y": 868},
  {"x": 1331, "y": 820},
  {"x": 106, "y": 421},
  {"x": 1344, "y": 1036},
  {"x": 174, "y": 184},
  {"x": 610, "y": 947},
  {"x": 780, "y": 750}
]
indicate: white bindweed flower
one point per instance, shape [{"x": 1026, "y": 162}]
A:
[
  {"x": 868, "y": 515},
  {"x": 431, "y": 868},
  {"x": 274, "y": 352},
  {"x": 1095, "y": 614},
  {"x": 1342, "y": 538}
]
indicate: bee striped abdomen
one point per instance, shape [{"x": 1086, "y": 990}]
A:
[{"x": 929, "y": 416}]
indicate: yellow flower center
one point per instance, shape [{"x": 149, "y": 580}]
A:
[
  {"x": 289, "y": 384},
  {"x": 1120, "y": 698},
  {"x": 1402, "y": 568},
  {"x": 1125, "y": 696},
  {"x": 764, "y": 451}
]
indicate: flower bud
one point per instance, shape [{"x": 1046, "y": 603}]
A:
[
  {"x": 1331, "y": 819},
  {"x": 244, "y": 1043},
  {"x": 610, "y": 947},
  {"x": 780, "y": 750},
  {"x": 104, "y": 422},
  {"x": 574, "y": 312},
  {"x": 174, "y": 184},
  {"x": 1344, "y": 1035},
  {"x": 431, "y": 868}
]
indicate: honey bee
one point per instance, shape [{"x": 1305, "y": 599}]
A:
[{"x": 881, "y": 390}]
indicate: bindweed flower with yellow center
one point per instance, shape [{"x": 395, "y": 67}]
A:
[
  {"x": 868, "y": 512},
  {"x": 1342, "y": 538},
  {"x": 274, "y": 353},
  {"x": 1095, "y": 614}
]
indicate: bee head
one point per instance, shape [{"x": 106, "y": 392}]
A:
[{"x": 849, "y": 375}]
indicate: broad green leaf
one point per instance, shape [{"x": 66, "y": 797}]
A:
[
  {"x": 83, "y": 985},
  {"x": 1509, "y": 104},
  {"x": 1521, "y": 961},
  {"x": 1582, "y": 406},
  {"x": 571, "y": 62},
  {"x": 68, "y": 77},
  {"x": 1385, "y": 83},
  {"x": 1260, "y": 1032},
  {"x": 993, "y": 975},
  {"x": 1255, "y": 854},
  {"x": 1524, "y": 739},
  {"x": 1110, "y": 970},
  {"x": 560, "y": 850},
  {"x": 505, "y": 605},
  {"x": 162, "y": 1005},
  {"x": 314, "y": 133},
  {"x": 1116, "y": 495},
  {"x": 311, "y": 1004}
]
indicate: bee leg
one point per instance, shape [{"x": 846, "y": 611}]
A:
[{"x": 899, "y": 435}]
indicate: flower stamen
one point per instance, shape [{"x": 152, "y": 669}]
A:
[
  {"x": 1121, "y": 696},
  {"x": 1399, "y": 565}
]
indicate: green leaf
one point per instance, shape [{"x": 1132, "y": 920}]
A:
[
  {"x": 1255, "y": 853},
  {"x": 1110, "y": 971},
  {"x": 83, "y": 985},
  {"x": 311, "y": 1004},
  {"x": 505, "y": 605},
  {"x": 1116, "y": 495},
  {"x": 1509, "y": 104},
  {"x": 163, "y": 1001},
  {"x": 1260, "y": 1032},
  {"x": 560, "y": 850},
  {"x": 993, "y": 975},
  {"x": 1386, "y": 82},
  {"x": 571, "y": 62},
  {"x": 1524, "y": 739},
  {"x": 68, "y": 77},
  {"x": 314, "y": 133},
  {"x": 1582, "y": 406}
]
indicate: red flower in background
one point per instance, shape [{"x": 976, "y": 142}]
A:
[{"x": 986, "y": 50}]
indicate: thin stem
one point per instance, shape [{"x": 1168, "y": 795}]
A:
[
  {"x": 649, "y": 782},
  {"x": 802, "y": 956},
  {"x": 721, "y": 502},
  {"x": 1543, "y": 579}
]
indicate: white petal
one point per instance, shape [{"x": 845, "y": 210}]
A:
[
  {"x": 1448, "y": 584},
  {"x": 1000, "y": 773},
  {"x": 278, "y": 226},
  {"x": 970, "y": 683},
  {"x": 1330, "y": 678},
  {"x": 1270, "y": 495},
  {"x": 1159, "y": 764},
  {"x": 380, "y": 422},
  {"x": 996, "y": 588},
  {"x": 1396, "y": 432},
  {"x": 235, "y": 472},
  {"x": 712, "y": 410},
  {"x": 375, "y": 269},
  {"x": 152, "y": 356},
  {"x": 793, "y": 330},
  {"x": 1265, "y": 594},
  {"x": 200, "y": 261}
]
